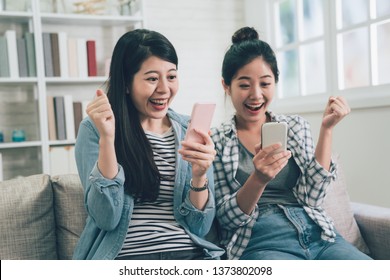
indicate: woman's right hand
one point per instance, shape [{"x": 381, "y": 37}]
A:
[
  {"x": 268, "y": 163},
  {"x": 100, "y": 112}
]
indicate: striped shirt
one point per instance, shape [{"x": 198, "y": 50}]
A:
[
  {"x": 153, "y": 227},
  {"x": 310, "y": 190}
]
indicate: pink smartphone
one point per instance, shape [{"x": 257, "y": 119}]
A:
[{"x": 201, "y": 117}]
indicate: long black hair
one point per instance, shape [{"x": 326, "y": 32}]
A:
[
  {"x": 246, "y": 47},
  {"x": 133, "y": 151}
]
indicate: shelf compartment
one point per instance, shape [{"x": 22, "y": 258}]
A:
[
  {"x": 19, "y": 162},
  {"x": 19, "y": 113}
]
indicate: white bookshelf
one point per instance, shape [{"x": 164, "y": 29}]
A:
[{"x": 33, "y": 155}]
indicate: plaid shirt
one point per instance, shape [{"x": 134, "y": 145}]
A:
[{"x": 310, "y": 190}]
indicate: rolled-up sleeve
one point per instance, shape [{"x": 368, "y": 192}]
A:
[
  {"x": 230, "y": 214},
  {"x": 199, "y": 221},
  {"x": 104, "y": 198}
]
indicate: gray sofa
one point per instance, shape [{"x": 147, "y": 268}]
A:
[{"x": 41, "y": 217}]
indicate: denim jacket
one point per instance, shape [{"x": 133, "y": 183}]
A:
[{"x": 109, "y": 208}]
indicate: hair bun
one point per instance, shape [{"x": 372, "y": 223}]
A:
[{"x": 245, "y": 34}]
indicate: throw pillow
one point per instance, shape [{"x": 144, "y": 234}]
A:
[
  {"x": 337, "y": 205},
  {"x": 27, "y": 228}
]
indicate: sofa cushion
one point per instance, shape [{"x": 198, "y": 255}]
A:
[
  {"x": 69, "y": 212},
  {"x": 337, "y": 205},
  {"x": 27, "y": 228}
]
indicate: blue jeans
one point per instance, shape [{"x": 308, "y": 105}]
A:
[{"x": 290, "y": 234}]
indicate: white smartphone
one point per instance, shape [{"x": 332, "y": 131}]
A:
[
  {"x": 201, "y": 117},
  {"x": 272, "y": 133}
]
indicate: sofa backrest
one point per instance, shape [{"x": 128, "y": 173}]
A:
[{"x": 69, "y": 211}]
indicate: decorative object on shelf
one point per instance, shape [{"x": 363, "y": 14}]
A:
[
  {"x": 125, "y": 7},
  {"x": 18, "y": 135},
  {"x": 55, "y": 6},
  {"x": 92, "y": 7},
  {"x": 1, "y": 136}
]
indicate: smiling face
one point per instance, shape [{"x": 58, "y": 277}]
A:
[
  {"x": 154, "y": 87},
  {"x": 252, "y": 90}
]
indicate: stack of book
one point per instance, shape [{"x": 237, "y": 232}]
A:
[
  {"x": 68, "y": 57},
  {"x": 17, "y": 55},
  {"x": 64, "y": 117}
]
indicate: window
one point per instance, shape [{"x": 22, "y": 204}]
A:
[{"x": 327, "y": 47}]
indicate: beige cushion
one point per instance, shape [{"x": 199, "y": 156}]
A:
[
  {"x": 69, "y": 212},
  {"x": 27, "y": 219},
  {"x": 337, "y": 205}
]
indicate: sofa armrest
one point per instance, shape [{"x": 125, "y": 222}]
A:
[{"x": 374, "y": 225}]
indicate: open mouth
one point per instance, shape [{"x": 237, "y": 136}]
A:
[
  {"x": 158, "y": 102},
  {"x": 254, "y": 107}
]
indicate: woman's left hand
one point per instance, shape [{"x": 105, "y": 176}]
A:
[
  {"x": 200, "y": 155},
  {"x": 336, "y": 109}
]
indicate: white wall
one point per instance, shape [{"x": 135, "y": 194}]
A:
[
  {"x": 201, "y": 32},
  {"x": 362, "y": 140}
]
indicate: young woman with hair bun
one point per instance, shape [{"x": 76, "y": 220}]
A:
[{"x": 269, "y": 202}]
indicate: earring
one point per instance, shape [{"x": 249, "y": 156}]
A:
[{"x": 127, "y": 91}]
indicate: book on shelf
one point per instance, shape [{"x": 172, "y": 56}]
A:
[
  {"x": 72, "y": 166},
  {"x": 51, "y": 118},
  {"x": 82, "y": 57},
  {"x": 22, "y": 57},
  {"x": 4, "y": 64},
  {"x": 47, "y": 55},
  {"x": 62, "y": 160},
  {"x": 69, "y": 117},
  {"x": 72, "y": 57},
  {"x": 55, "y": 54},
  {"x": 64, "y": 117},
  {"x": 84, "y": 105},
  {"x": 58, "y": 157},
  {"x": 12, "y": 53},
  {"x": 78, "y": 115},
  {"x": 107, "y": 64},
  {"x": 63, "y": 54},
  {"x": 69, "y": 57},
  {"x": 31, "y": 60},
  {"x": 59, "y": 111},
  {"x": 91, "y": 56}
]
